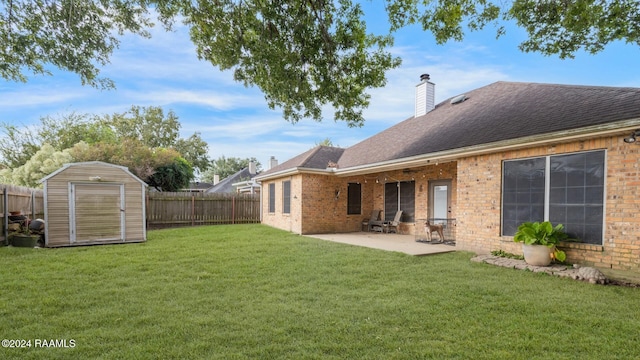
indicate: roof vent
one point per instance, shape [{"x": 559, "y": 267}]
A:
[{"x": 458, "y": 99}]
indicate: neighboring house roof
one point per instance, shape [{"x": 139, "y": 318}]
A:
[
  {"x": 198, "y": 186},
  {"x": 495, "y": 115},
  {"x": 226, "y": 185}
]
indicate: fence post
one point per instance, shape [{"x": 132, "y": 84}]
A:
[
  {"x": 193, "y": 210},
  {"x": 5, "y": 218},
  {"x": 233, "y": 209}
]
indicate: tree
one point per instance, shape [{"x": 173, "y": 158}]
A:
[
  {"x": 66, "y": 130},
  {"x": 224, "y": 167},
  {"x": 173, "y": 176},
  {"x": 326, "y": 142},
  {"x": 17, "y": 146},
  {"x": 45, "y": 161},
  {"x": 302, "y": 54},
  {"x": 163, "y": 169},
  {"x": 77, "y": 36},
  {"x": 153, "y": 128},
  {"x": 195, "y": 150},
  {"x": 147, "y": 125}
]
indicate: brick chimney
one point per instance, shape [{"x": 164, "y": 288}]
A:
[
  {"x": 425, "y": 96},
  {"x": 273, "y": 162}
]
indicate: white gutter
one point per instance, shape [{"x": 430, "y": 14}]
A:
[
  {"x": 529, "y": 141},
  {"x": 294, "y": 171},
  {"x": 458, "y": 153}
]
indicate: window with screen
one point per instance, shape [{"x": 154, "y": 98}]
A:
[
  {"x": 564, "y": 189},
  {"x": 272, "y": 198},
  {"x": 400, "y": 196},
  {"x": 286, "y": 197},
  {"x": 354, "y": 199}
]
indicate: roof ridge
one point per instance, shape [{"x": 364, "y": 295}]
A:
[{"x": 312, "y": 152}]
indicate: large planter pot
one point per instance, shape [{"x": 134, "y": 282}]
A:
[
  {"x": 538, "y": 255},
  {"x": 23, "y": 240}
]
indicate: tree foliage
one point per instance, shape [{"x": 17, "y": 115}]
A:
[
  {"x": 63, "y": 132},
  {"x": 564, "y": 27},
  {"x": 302, "y": 54},
  {"x": 16, "y": 146},
  {"x": 45, "y": 161},
  {"x": 224, "y": 167},
  {"x": 195, "y": 150},
  {"x": 326, "y": 142},
  {"x": 73, "y": 35},
  {"x": 147, "y": 126},
  {"x": 163, "y": 169},
  {"x": 173, "y": 176}
]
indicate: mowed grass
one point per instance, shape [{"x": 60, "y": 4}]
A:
[{"x": 250, "y": 291}]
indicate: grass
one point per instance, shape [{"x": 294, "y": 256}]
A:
[{"x": 250, "y": 291}]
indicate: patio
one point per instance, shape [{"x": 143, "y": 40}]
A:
[{"x": 389, "y": 242}]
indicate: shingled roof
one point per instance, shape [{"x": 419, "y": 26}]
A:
[
  {"x": 494, "y": 113},
  {"x": 319, "y": 158},
  {"x": 497, "y": 112}
]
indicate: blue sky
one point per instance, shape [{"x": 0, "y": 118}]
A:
[{"x": 236, "y": 122}]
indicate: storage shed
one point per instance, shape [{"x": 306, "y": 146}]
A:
[{"x": 93, "y": 202}]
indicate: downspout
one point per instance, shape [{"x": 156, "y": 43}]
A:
[{"x": 261, "y": 192}]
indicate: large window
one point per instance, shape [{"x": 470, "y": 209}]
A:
[
  {"x": 564, "y": 189},
  {"x": 286, "y": 197},
  {"x": 400, "y": 196},
  {"x": 272, "y": 198},
  {"x": 522, "y": 193},
  {"x": 576, "y": 195},
  {"x": 354, "y": 199}
]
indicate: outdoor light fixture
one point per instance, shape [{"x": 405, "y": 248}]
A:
[{"x": 632, "y": 138}]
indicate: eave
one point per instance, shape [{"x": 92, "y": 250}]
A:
[
  {"x": 499, "y": 146},
  {"x": 295, "y": 171}
]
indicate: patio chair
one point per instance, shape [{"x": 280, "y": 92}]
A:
[
  {"x": 393, "y": 225},
  {"x": 373, "y": 220}
]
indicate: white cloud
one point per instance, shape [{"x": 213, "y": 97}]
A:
[
  {"x": 39, "y": 97},
  {"x": 208, "y": 98}
]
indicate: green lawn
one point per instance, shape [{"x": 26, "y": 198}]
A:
[{"x": 249, "y": 291}]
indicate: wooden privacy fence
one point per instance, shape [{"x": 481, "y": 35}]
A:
[
  {"x": 165, "y": 209},
  {"x": 29, "y": 202}
]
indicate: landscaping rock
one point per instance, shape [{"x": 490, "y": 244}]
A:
[{"x": 592, "y": 275}]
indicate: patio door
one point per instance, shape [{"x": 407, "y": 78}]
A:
[
  {"x": 96, "y": 212},
  {"x": 440, "y": 201}
]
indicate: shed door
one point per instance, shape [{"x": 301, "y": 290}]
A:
[{"x": 96, "y": 212}]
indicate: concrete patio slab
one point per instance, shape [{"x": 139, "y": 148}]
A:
[{"x": 389, "y": 242}]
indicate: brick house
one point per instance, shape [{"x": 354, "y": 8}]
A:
[{"x": 483, "y": 162}]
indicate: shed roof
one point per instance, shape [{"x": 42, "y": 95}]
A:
[{"x": 100, "y": 163}]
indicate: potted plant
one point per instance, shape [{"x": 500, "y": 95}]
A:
[
  {"x": 23, "y": 238},
  {"x": 539, "y": 242}
]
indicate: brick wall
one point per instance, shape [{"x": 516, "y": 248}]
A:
[
  {"x": 476, "y": 201},
  {"x": 278, "y": 219},
  {"x": 315, "y": 208},
  {"x": 479, "y": 196}
]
